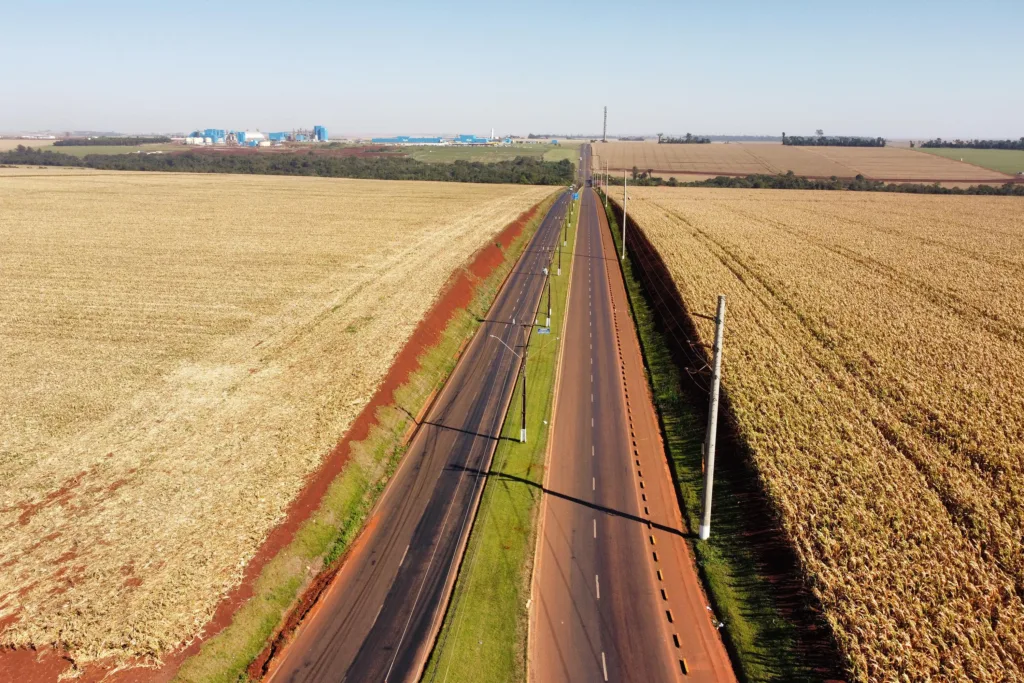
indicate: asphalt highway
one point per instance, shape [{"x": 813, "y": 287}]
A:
[
  {"x": 615, "y": 593},
  {"x": 378, "y": 618}
]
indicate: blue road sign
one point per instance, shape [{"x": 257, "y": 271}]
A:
[
  {"x": 543, "y": 330},
  {"x": 575, "y": 196}
]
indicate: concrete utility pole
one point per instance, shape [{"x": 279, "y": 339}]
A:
[
  {"x": 604, "y": 134},
  {"x": 709, "y": 438},
  {"x": 559, "y": 259},
  {"x": 625, "y": 197}
]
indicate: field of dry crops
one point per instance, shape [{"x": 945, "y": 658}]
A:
[
  {"x": 177, "y": 354},
  {"x": 874, "y": 358},
  {"x": 885, "y": 163}
]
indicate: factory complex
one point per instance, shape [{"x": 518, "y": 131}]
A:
[
  {"x": 457, "y": 140},
  {"x": 246, "y": 138}
]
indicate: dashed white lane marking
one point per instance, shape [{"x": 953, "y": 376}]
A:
[
  {"x": 591, "y": 422},
  {"x": 597, "y": 585},
  {"x": 604, "y": 666},
  {"x": 591, "y": 397},
  {"x": 593, "y": 483},
  {"x": 595, "y": 528},
  {"x": 591, "y": 451}
]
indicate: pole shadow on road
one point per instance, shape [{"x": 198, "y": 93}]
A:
[{"x": 578, "y": 501}]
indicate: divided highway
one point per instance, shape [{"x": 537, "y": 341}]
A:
[
  {"x": 377, "y": 619},
  {"x": 615, "y": 592}
]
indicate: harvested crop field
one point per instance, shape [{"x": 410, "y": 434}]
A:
[
  {"x": 7, "y": 144},
  {"x": 177, "y": 355},
  {"x": 884, "y": 163},
  {"x": 874, "y": 364}
]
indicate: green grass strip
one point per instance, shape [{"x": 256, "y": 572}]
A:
[
  {"x": 483, "y": 637},
  {"x": 350, "y": 497},
  {"x": 761, "y": 641}
]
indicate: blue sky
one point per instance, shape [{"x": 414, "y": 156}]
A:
[{"x": 897, "y": 69}]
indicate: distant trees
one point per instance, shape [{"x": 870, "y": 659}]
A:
[
  {"x": 521, "y": 170},
  {"x": 791, "y": 181},
  {"x": 822, "y": 140},
  {"x": 111, "y": 141},
  {"x": 975, "y": 144},
  {"x": 689, "y": 139}
]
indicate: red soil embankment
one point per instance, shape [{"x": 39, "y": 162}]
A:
[{"x": 45, "y": 665}]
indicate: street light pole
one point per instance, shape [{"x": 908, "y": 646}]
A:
[
  {"x": 548, "y": 325},
  {"x": 565, "y": 226},
  {"x": 522, "y": 431}
]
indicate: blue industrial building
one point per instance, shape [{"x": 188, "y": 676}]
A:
[
  {"x": 277, "y": 137},
  {"x": 470, "y": 140},
  {"x": 320, "y": 133},
  {"x": 407, "y": 140}
]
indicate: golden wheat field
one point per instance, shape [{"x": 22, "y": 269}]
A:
[
  {"x": 177, "y": 353},
  {"x": 885, "y": 163},
  {"x": 7, "y": 144},
  {"x": 874, "y": 359}
]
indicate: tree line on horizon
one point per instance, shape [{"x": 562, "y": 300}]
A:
[
  {"x": 975, "y": 144},
  {"x": 521, "y": 170},
  {"x": 689, "y": 139},
  {"x": 791, "y": 181},
  {"x": 112, "y": 141},
  {"x": 822, "y": 140}
]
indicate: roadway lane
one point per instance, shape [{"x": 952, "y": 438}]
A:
[
  {"x": 610, "y": 604},
  {"x": 378, "y": 618}
]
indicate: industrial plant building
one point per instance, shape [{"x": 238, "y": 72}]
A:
[
  {"x": 247, "y": 138},
  {"x": 457, "y": 140}
]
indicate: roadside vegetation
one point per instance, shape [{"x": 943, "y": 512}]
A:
[
  {"x": 483, "y": 637},
  {"x": 325, "y": 538},
  {"x": 519, "y": 170},
  {"x": 761, "y": 640}
]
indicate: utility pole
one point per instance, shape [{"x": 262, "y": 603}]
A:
[
  {"x": 709, "y": 438},
  {"x": 604, "y": 134},
  {"x": 522, "y": 432},
  {"x": 625, "y": 198},
  {"x": 559, "y": 259}
]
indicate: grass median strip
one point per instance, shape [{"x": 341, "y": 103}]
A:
[
  {"x": 483, "y": 637},
  {"x": 327, "y": 534}
]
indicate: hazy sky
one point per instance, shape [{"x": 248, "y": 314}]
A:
[{"x": 888, "y": 68}]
